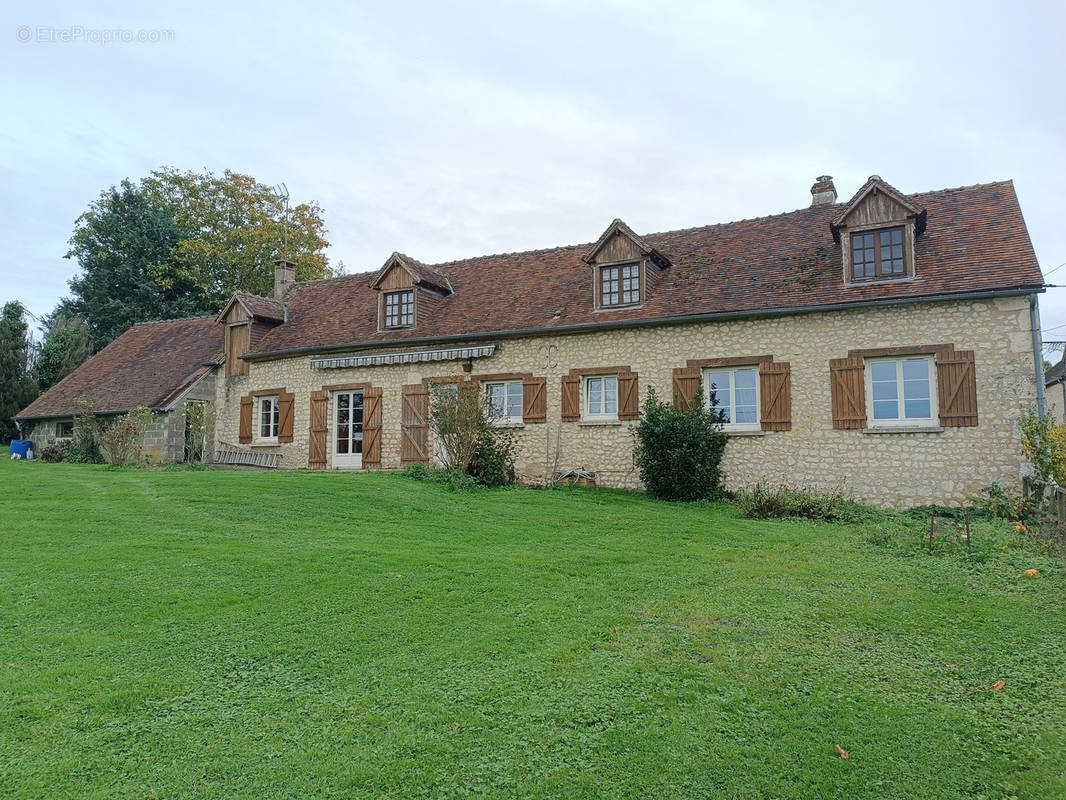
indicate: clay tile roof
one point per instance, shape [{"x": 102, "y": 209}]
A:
[
  {"x": 263, "y": 307},
  {"x": 976, "y": 241},
  {"x": 151, "y": 364}
]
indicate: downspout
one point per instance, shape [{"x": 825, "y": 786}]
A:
[{"x": 1038, "y": 358}]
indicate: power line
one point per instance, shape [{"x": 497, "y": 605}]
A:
[{"x": 1060, "y": 266}]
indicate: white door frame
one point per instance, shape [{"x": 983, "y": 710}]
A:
[{"x": 353, "y": 440}]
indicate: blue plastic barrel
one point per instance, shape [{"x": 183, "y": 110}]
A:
[{"x": 20, "y": 446}]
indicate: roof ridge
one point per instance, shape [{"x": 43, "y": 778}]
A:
[{"x": 172, "y": 319}]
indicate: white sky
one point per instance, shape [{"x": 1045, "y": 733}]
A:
[{"x": 452, "y": 129}]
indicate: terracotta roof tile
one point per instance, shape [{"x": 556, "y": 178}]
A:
[
  {"x": 976, "y": 240},
  {"x": 150, "y": 364},
  {"x": 263, "y": 307}
]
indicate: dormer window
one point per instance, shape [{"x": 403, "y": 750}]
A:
[
  {"x": 620, "y": 285},
  {"x": 877, "y": 254},
  {"x": 399, "y": 309},
  {"x": 624, "y": 268},
  {"x": 878, "y": 232}
]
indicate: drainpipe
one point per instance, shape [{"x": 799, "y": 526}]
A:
[{"x": 1038, "y": 358}]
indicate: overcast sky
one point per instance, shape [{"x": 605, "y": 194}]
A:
[{"x": 449, "y": 129}]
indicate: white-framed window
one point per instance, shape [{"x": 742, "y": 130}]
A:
[
  {"x": 601, "y": 397},
  {"x": 901, "y": 391},
  {"x": 735, "y": 393},
  {"x": 505, "y": 400},
  {"x": 269, "y": 415}
]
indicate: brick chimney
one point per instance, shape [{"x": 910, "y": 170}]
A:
[
  {"x": 284, "y": 277},
  {"x": 823, "y": 192}
]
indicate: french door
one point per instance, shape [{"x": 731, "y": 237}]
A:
[{"x": 348, "y": 430}]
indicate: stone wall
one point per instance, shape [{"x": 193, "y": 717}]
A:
[{"x": 899, "y": 469}]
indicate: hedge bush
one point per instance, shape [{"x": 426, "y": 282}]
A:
[{"x": 678, "y": 452}]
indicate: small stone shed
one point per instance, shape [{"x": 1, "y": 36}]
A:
[{"x": 160, "y": 365}]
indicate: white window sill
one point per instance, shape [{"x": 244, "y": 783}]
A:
[
  {"x": 742, "y": 432},
  {"x": 601, "y": 423},
  {"x": 905, "y": 429},
  {"x": 264, "y": 443},
  {"x": 508, "y": 423}
]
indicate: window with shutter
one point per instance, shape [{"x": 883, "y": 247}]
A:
[
  {"x": 534, "y": 400},
  {"x": 686, "y": 385},
  {"x": 372, "y": 427},
  {"x": 414, "y": 424},
  {"x": 957, "y": 388},
  {"x": 316, "y": 444},
  {"x": 753, "y": 393},
  {"x": 847, "y": 392},
  {"x": 244, "y": 435},
  {"x": 286, "y": 403},
  {"x": 571, "y": 398}
]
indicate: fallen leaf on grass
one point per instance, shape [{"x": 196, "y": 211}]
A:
[
  {"x": 1033, "y": 573},
  {"x": 995, "y": 687},
  {"x": 841, "y": 751}
]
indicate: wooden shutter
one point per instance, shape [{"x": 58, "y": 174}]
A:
[
  {"x": 775, "y": 395},
  {"x": 372, "y": 427},
  {"x": 686, "y": 384},
  {"x": 285, "y": 413},
  {"x": 628, "y": 396},
  {"x": 534, "y": 400},
  {"x": 244, "y": 436},
  {"x": 571, "y": 401},
  {"x": 847, "y": 387},
  {"x": 957, "y": 388},
  {"x": 316, "y": 443},
  {"x": 414, "y": 424}
]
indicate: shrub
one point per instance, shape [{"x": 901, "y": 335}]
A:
[
  {"x": 678, "y": 452},
  {"x": 83, "y": 448},
  {"x": 1006, "y": 503},
  {"x": 54, "y": 452},
  {"x": 120, "y": 439},
  {"x": 473, "y": 443},
  {"x": 778, "y": 502},
  {"x": 455, "y": 479},
  {"x": 493, "y": 461},
  {"x": 1044, "y": 444}
]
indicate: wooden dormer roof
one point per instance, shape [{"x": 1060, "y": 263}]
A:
[
  {"x": 876, "y": 184},
  {"x": 619, "y": 228},
  {"x": 257, "y": 307},
  {"x": 421, "y": 274}
]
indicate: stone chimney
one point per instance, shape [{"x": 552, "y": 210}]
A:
[
  {"x": 823, "y": 192},
  {"x": 284, "y": 277}
]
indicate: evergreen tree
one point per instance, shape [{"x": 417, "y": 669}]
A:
[
  {"x": 17, "y": 385},
  {"x": 123, "y": 244},
  {"x": 67, "y": 344}
]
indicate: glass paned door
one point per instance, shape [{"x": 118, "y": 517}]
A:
[{"x": 348, "y": 430}]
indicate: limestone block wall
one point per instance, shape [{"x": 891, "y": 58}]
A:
[{"x": 898, "y": 469}]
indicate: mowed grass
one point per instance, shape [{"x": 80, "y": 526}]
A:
[{"x": 262, "y": 635}]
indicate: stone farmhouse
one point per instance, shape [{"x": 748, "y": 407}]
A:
[
  {"x": 884, "y": 345},
  {"x": 160, "y": 365}
]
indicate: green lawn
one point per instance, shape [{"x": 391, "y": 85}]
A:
[{"x": 238, "y": 634}]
